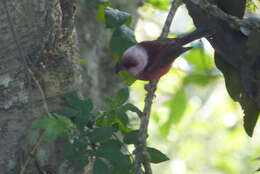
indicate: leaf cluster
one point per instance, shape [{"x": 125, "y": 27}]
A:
[
  {"x": 123, "y": 36},
  {"x": 102, "y": 137}
]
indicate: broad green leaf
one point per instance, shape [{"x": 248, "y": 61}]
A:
[
  {"x": 101, "y": 12},
  {"x": 131, "y": 137},
  {"x": 82, "y": 120},
  {"x": 199, "y": 60},
  {"x": 67, "y": 112},
  {"x": 201, "y": 79},
  {"x": 115, "y": 18},
  {"x": 100, "y": 167},
  {"x": 85, "y": 105},
  {"x": 123, "y": 128},
  {"x": 123, "y": 165},
  {"x": 43, "y": 123},
  {"x": 159, "y": 4},
  {"x": 122, "y": 116},
  {"x": 118, "y": 99},
  {"x": 111, "y": 150},
  {"x": 133, "y": 108},
  {"x": 53, "y": 127},
  {"x": 73, "y": 101},
  {"x": 101, "y": 134},
  {"x": 127, "y": 78},
  {"x": 177, "y": 107},
  {"x": 76, "y": 153},
  {"x": 121, "y": 96},
  {"x": 156, "y": 156},
  {"x": 122, "y": 38}
]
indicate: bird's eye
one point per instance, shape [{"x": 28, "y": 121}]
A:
[{"x": 129, "y": 64}]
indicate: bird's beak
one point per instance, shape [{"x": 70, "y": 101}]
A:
[
  {"x": 119, "y": 67},
  {"x": 186, "y": 49}
]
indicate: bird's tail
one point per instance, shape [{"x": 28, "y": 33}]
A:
[{"x": 196, "y": 34}]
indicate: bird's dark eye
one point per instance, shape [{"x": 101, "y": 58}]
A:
[{"x": 129, "y": 64}]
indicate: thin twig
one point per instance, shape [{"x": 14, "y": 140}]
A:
[
  {"x": 141, "y": 156},
  {"x": 34, "y": 149},
  {"x": 167, "y": 24}
]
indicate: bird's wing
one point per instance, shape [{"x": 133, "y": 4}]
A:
[{"x": 170, "y": 50}]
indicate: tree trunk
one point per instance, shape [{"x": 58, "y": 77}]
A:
[{"x": 39, "y": 63}]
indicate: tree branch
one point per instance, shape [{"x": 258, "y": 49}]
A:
[
  {"x": 141, "y": 155},
  {"x": 233, "y": 21}
]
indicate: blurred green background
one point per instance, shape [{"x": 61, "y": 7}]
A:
[{"x": 194, "y": 121}]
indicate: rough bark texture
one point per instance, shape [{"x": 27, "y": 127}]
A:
[
  {"x": 93, "y": 40},
  {"x": 44, "y": 33}
]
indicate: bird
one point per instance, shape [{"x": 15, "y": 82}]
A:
[{"x": 149, "y": 60}]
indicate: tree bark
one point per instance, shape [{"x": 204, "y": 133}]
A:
[{"x": 41, "y": 66}]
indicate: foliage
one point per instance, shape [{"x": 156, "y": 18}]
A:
[
  {"x": 122, "y": 37},
  {"x": 100, "y": 136},
  {"x": 159, "y": 4}
]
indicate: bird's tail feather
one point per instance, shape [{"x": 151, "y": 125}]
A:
[{"x": 196, "y": 34}]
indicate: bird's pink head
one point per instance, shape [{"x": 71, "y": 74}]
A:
[{"x": 134, "y": 60}]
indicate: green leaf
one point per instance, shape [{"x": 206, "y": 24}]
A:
[
  {"x": 53, "y": 127},
  {"x": 101, "y": 134},
  {"x": 122, "y": 116},
  {"x": 73, "y": 101},
  {"x": 156, "y": 156},
  {"x": 131, "y": 137},
  {"x": 110, "y": 150},
  {"x": 67, "y": 112},
  {"x": 123, "y": 165},
  {"x": 118, "y": 99},
  {"x": 159, "y": 4},
  {"x": 133, "y": 108},
  {"x": 76, "y": 153},
  {"x": 199, "y": 60},
  {"x": 201, "y": 79},
  {"x": 85, "y": 105},
  {"x": 177, "y": 107},
  {"x": 121, "y": 96},
  {"x": 101, "y": 11},
  {"x": 127, "y": 78},
  {"x": 100, "y": 167},
  {"x": 122, "y": 38},
  {"x": 115, "y": 18}
]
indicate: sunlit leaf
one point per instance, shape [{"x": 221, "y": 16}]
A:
[
  {"x": 159, "y": 4},
  {"x": 199, "y": 60},
  {"x": 177, "y": 107}
]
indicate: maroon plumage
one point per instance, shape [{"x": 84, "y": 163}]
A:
[{"x": 149, "y": 60}]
